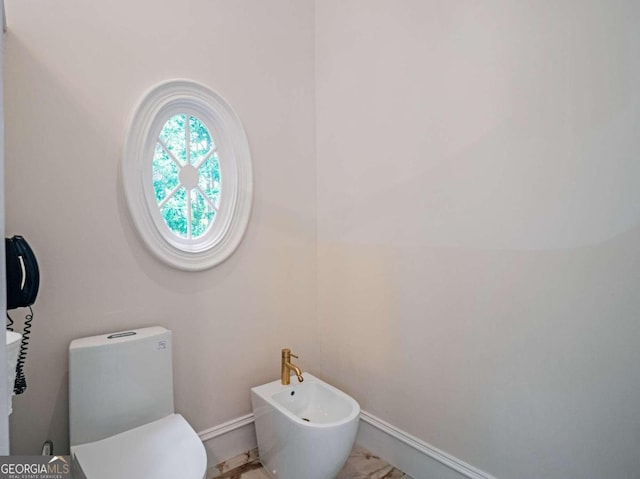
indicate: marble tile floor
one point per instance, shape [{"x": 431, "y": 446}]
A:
[{"x": 360, "y": 465}]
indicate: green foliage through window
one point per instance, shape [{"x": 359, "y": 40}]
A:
[{"x": 185, "y": 146}]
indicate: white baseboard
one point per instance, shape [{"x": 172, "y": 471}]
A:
[
  {"x": 224, "y": 428},
  {"x": 229, "y": 439},
  {"x": 406, "y": 452},
  {"x": 410, "y": 454}
]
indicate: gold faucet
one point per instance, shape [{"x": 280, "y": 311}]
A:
[{"x": 286, "y": 367}]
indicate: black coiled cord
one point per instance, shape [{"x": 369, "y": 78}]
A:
[{"x": 21, "y": 382}]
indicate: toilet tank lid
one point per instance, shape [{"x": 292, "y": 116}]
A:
[
  {"x": 102, "y": 340},
  {"x": 163, "y": 449}
]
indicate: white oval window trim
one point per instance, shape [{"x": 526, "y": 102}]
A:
[{"x": 225, "y": 234}]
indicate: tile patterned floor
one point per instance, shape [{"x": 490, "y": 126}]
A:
[{"x": 360, "y": 465}]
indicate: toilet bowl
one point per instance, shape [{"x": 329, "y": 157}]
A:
[
  {"x": 304, "y": 430},
  {"x": 122, "y": 421},
  {"x": 166, "y": 448}
]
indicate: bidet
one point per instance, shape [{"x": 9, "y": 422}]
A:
[{"x": 304, "y": 430}]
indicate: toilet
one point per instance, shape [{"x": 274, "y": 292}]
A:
[{"x": 122, "y": 422}]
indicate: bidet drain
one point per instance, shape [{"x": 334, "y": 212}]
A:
[{"x": 305, "y": 419}]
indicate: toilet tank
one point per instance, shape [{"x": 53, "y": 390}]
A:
[{"x": 119, "y": 381}]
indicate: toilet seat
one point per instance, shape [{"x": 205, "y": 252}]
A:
[{"x": 164, "y": 449}]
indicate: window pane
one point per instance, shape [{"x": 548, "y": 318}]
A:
[
  {"x": 173, "y": 135},
  {"x": 174, "y": 213},
  {"x": 200, "y": 140},
  {"x": 165, "y": 173},
  {"x": 209, "y": 181},
  {"x": 201, "y": 213}
]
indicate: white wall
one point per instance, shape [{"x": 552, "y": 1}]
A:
[
  {"x": 4, "y": 407},
  {"x": 477, "y": 213},
  {"x": 74, "y": 71},
  {"x": 479, "y": 226}
]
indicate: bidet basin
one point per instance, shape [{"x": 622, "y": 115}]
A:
[{"x": 304, "y": 430}]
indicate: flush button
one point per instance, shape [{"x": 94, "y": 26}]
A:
[{"x": 121, "y": 335}]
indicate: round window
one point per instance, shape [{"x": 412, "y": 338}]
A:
[{"x": 186, "y": 173}]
